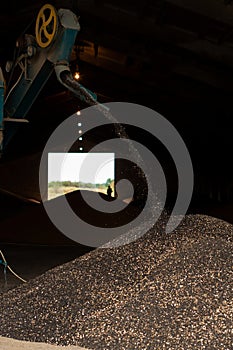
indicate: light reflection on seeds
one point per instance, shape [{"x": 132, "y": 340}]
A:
[{"x": 161, "y": 292}]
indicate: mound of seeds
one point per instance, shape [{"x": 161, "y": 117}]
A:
[{"x": 163, "y": 291}]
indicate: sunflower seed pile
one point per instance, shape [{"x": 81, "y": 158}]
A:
[{"x": 163, "y": 291}]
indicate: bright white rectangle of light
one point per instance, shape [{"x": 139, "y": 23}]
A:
[{"x": 70, "y": 171}]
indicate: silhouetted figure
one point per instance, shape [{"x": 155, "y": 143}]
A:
[{"x": 109, "y": 191}]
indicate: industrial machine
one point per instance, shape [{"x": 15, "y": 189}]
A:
[{"x": 38, "y": 55}]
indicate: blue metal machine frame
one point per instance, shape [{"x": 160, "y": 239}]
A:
[{"x": 37, "y": 62}]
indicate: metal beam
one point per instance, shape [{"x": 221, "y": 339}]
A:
[{"x": 215, "y": 9}]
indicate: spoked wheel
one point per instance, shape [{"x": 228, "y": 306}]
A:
[{"x": 46, "y": 25}]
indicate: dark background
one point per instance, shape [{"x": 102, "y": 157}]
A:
[{"x": 174, "y": 56}]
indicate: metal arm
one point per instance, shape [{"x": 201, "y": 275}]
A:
[
  {"x": 56, "y": 32},
  {"x": 65, "y": 77}
]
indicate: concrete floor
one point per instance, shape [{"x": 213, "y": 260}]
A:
[{"x": 9, "y": 344}]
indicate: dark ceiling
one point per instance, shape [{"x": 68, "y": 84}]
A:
[{"x": 175, "y": 56}]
